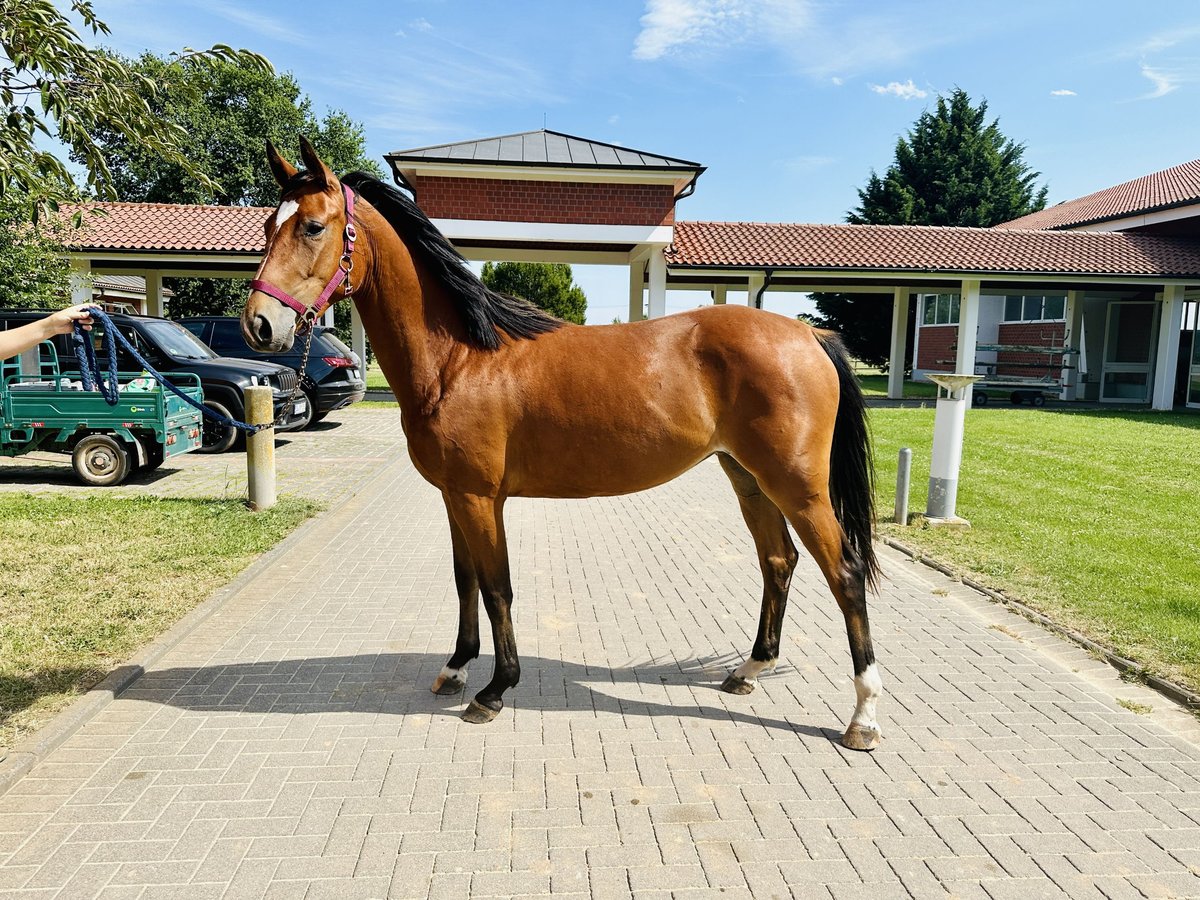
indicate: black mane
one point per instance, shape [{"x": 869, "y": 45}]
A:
[{"x": 485, "y": 312}]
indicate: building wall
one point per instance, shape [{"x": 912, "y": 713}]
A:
[
  {"x": 585, "y": 203},
  {"x": 1031, "y": 334},
  {"x": 934, "y": 352}
]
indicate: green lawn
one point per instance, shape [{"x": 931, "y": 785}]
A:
[
  {"x": 876, "y": 386},
  {"x": 1087, "y": 515},
  {"x": 375, "y": 379},
  {"x": 85, "y": 581}
]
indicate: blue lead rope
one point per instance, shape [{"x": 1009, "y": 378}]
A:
[{"x": 106, "y": 383}]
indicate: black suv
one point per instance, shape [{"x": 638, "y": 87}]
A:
[
  {"x": 332, "y": 379},
  {"x": 168, "y": 347}
]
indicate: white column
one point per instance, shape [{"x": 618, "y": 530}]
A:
[
  {"x": 358, "y": 336},
  {"x": 1073, "y": 339},
  {"x": 1169, "y": 324},
  {"x": 327, "y": 318},
  {"x": 968, "y": 327},
  {"x": 658, "y": 283},
  {"x": 154, "y": 293},
  {"x": 755, "y": 285},
  {"x": 719, "y": 294},
  {"x": 899, "y": 343},
  {"x": 81, "y": 281},
  {"x": 637, "y": 290}
]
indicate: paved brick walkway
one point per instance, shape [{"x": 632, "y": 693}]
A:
[
  {"x": 328, "y": 462},
  {"x": 290, "y": 747}
]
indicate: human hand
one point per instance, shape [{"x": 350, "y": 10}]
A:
[{"x": 63, "y": 321}]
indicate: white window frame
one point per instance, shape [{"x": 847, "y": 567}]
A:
[
  {"x": 1025, "y": 298},
  {"x": 954, "y": 309}
]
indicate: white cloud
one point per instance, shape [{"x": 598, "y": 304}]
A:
[
  {"x": 812, "y": 36},
  {"x": 1164, "y": 82},
  {"x": 614, "y": 119},
  {"x": 671, "y": 27},
  {"x": 1062, "y": 92},
  {"x": 260, "y": 24},
  {"x": 421, "y": 25},
  {"x": 838, "y": 81},
  {"x": 904, "y": 90}
]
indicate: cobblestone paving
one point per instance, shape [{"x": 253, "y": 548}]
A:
[
  {"x": 290, "y": 746},
  {"x": 327, "y": 462}
]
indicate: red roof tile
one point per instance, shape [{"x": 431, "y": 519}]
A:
[
  {"x": 1177, "y": 186},
  {"x": 173, "y": 226},
  {"x": 923, "y": 248}
]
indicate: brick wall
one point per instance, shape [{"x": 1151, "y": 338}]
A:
[
  {"x": 935, "y": 347},
  {"x": 486, "y": 199},
  {"x": 1030, "y": 334}
]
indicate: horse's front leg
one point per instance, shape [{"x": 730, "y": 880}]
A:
[
  {"x": 481, "y": 523},
  {"x": 453, "y": 677}
]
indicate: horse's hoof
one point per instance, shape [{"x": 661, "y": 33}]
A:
[
  {"x": 736, "y": 684},
  {"x": 859, "y": 737},
  {"x": 478, "y": 714},
  {"x": 446, "y": 686}
]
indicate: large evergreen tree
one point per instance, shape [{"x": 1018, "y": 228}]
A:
[
  {"x": 227, "y": 110},
  {"x": 548, "y": 285},
  {"x": 952, "y": 168}
]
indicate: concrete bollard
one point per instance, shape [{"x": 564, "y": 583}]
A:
[
  {"x": 903, "y": 477},
  {"x": 260, "y": 448}
]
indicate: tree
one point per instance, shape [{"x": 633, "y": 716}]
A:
[
  {"x": 34, "y": 272},
  {"x": 952, "y": 168},
  {"x": 548, "y": 285},
  {"x": 226, "y": 109},
  {"x": 52, "y": 85}
]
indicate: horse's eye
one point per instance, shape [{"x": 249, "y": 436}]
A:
[{"x": 312, "y": 229}]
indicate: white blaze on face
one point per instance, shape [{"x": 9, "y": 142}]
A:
[{"x": 287, "y": 209}]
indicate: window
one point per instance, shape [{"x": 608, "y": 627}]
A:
[
  {"x": 940, "y": 309},
  {"x": 1035, "y": 308}
]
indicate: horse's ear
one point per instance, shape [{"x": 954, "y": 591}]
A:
[
  {"x": 314, "y": 164},
  {"x": 280, "y": 167}
]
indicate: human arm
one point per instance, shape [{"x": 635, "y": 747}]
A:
[{"x": 18, "y": 340}]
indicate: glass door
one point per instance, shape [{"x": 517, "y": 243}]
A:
[
  {"x": 1126, "y": 375},
  {"x": 1191, "y": 321}
]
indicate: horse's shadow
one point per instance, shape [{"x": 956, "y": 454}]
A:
[{"x": 395, "y": 683}]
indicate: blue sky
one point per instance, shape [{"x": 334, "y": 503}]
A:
[{"x": 790, "y": 103}]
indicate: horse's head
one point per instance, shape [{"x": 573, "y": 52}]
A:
[{"x": 309, "y": 252}]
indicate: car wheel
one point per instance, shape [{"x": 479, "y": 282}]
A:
[
  {"x": 310, "y": 416},
  {"x": 101, "y": 460},
  {"x": 155, "y": 454},
  {"x": 217, "y": 436}
]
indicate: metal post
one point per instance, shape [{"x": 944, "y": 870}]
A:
[
  {"x": 947, "y": 448},
  {"x": 903, "y": 477},
  {"x": 260, "y": 448}
]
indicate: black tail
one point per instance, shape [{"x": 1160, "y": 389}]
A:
[{"x": 851, "y": 469}]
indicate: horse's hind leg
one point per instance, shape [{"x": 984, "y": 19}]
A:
[
  {"x": 777, "y": 559},
  {"x": 481, "y": 520},
  {"x": 453, "y": 677},
  {"x": 818, "y": 528}
]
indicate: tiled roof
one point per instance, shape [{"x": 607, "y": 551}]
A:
[
  {"x": 129, "y": 284},
  {"x": 922, "y": 248},
  {"x": 1176, "y": 186},
  {"x": 173, "y": 226},
  {"x": 542, "y": 148}
]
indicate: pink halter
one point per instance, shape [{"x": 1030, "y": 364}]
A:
[{"x": 309, "y": 314}]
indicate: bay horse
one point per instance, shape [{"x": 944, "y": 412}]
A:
[{"x": 498, "y": 399}]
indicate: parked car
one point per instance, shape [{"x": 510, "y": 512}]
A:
[
  {"x": 333, "y": 379},
  {"x": 170, "y": 348}
]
